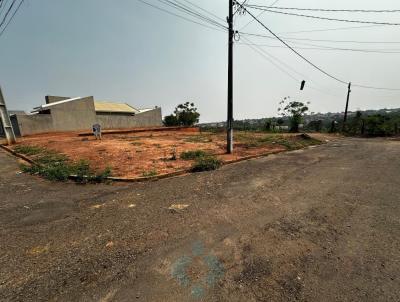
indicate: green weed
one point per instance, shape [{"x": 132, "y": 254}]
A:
[
  {"x": 206, "y": 163},
  {"x": 150, "y": 173},
  {"x": 190, "y": 155}
]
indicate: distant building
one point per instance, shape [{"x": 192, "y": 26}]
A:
[{"x": 61, "y": 114}]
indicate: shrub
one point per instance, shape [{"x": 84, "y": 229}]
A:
[
  {"x": 56, "y": 171},
  {"x": 56, "y": 167},
  {"x": 99, "y": 177},
  {"x": 150, "y": 173},
  {"x": 190, "y": 155},
  {"x": 206, "y": 163},
  {"x": 171, "y": 120},
  {"x": 28, "y": 150}
]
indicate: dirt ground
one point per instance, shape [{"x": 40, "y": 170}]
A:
[
  {"x": 320, "y": 224},
  {"x": 135, "y": 154}
]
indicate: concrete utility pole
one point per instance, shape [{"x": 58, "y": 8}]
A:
[
  {"x": 347, "y": 106},
  {"x": 5, "y": 117},
  {"x": 229, "y": 124}
]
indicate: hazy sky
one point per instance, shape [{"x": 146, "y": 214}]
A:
[{"x": 126, "y": 51}]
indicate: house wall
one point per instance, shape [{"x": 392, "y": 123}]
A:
[
  {"x": 151, "y": 118},
  {"x": 32, "y": 124},
  {"x": 81, "y": 115},
  {"x": 76, "y": 115}
]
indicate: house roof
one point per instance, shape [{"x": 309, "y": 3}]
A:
[
  {"x": 100, "y": 106},
  {"x": 47, "y": 106},
  {"x": 114, "y": 107}
]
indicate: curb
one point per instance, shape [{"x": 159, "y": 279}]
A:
[
  {"x": 158, "y": 129},
  {"x": 156, "y": 177},
  {"x": 25, "y": 158}
]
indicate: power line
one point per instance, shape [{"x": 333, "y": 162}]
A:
[
  {"x": 271, "y": 59},
  {"x": 204, "y": 10},
  {"x": 324, "y": 47},
  {"x": 3, "y": 4},
  {"x": 9, "y": 21},
  {"x": 327, "y": 18},
  {"x": 330, "y": 29},
  {"x": 375, "y": 88},
  {"x": 327, "y": 10},
  {"x": 238, "y": 8},
  {"x": 259, "y": 15},
  {"x": 263, "y": 54},
  {"x": 181, "y": 17},
  {"x": 295, "y": 51},
  {"x": 6, "y": 15},
  {"x": 323, "y": 40},
  {"x": 393, "y": 51},
  {"x": 186, "y": 9},
  {"x": 182, "y": 7},
  {"x": 312, "y": 64}
]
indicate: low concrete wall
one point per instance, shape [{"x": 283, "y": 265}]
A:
[
  {"x": 32, "y": 124},
  {"x": 150, "y": 118}
]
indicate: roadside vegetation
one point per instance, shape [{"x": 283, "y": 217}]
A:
[
  {"x": 290, "y": 142},
  {"x": 203, "y": 161},
  {"x": 150, "y": 173},
  {"x": 206, "y": 163},
  {"x": 294, "y": 117},
  {"x": 54, "y": 166},
  {"x": 373, "y": 125},
  {"x": 191, "y": 155}
]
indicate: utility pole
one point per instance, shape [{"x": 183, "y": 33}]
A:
[
  {"x": 229, "y": 124},
  {"x": 5, "y": 117},
  {"x": 347, "y": 106}
]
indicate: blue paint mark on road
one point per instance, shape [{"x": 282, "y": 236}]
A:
[{"x": 214, "y": 273}]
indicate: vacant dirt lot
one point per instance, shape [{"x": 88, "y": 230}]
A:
[
  {"x": 144, "y": 153},
  {"x": 320, "y": 224}
]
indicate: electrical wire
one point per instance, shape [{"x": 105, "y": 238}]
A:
[
  {"x": 259, "y": 15},
  {"x": 374, "y": 87},
  {"x": 181, "y": 17},
  {"x": 324, "y": 47},
  {"x": 12, "y": 16},
  {"x": 7, "y": 13},
  {"x": 263, "y": 54},
  {"x": 182, "y": 7},
  {"x": 295, "y": 51},
  {"x": 328, "y": 10},
  {"x": 238, "y": 8},
  {"x": 3, "y": 4},
  {"x": 312, "y": 64},
  {"x": 329, "y": 19},
  {"x": 329, "y": 29},
  {"x": 393, "y": 51},
  {"x": 204, "y": 10},
  {"x": 323, "y": 40},
  {"x": 267, "y": 56}
]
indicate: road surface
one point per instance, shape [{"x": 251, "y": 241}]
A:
[{"x": 321, "y": 224}]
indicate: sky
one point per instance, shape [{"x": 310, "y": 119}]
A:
[{"x": 127, "y": 51}]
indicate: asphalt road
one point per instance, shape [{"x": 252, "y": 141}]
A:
[{"x": 321, "y": 224}]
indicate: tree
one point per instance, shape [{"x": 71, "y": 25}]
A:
[
  {"x": 294, "y": 111},
  {"x": 184, "y": 115},
  {"x": 171, "y": 120},
  {"x": 187, "y": 114}
]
